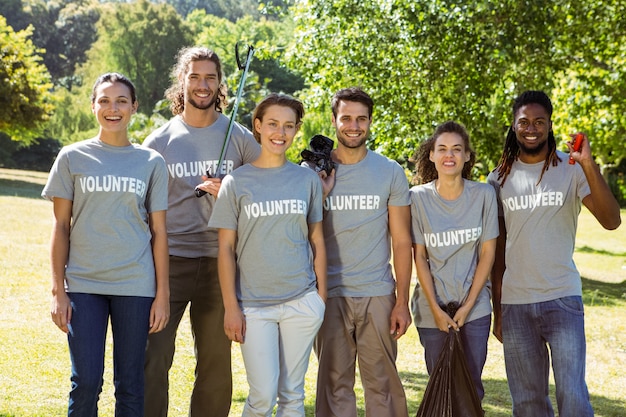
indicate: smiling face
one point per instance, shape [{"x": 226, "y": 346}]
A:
[
  {"x": 532, "y": 126},
  {"x": 352, "y": 124},
  {"x": 449, "y": 154},
  {"x": 113, "y": 106},
  {"x": 201, "y": 84},
  {"x": 276, "y": 129}
]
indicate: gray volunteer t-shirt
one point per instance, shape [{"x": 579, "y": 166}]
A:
[
  {"x": 452, "y": 232},
  {"x": 541, "y": 221},
  {"x": 356, "y": 226},
  {"x": 270, "y": 208},
  {"x": 189, "y": 152},
  {"x": 112, "y": 190}
]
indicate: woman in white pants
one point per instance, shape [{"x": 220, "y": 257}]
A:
[{"x": 272, "y": 262}]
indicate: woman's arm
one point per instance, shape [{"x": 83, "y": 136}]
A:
[
  {"x": 316, "y": 238},
  {"x": 160, "y": 311},
  {"x": 61, "y": 310},
  {"x": 442, "y": 319},
  {"x": 483, "y": 269},
  {"x": 234, "y": 320}
]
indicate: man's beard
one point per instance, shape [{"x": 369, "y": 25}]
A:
[
  {"x": 201, "y": 107},
  {"x": 532, "y": 151},
  {"x": 349, "y": 143}
]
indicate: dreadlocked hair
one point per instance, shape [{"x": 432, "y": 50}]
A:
[
  {"x": 511, "y": 149},
  {"x": 176, "y": 93},
  {"x": 425, "y": 170}
]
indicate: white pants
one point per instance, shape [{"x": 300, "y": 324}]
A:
[{"x": 276, "y": 354}]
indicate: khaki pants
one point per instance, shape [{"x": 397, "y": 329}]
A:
[
  {"x": 358, "y": 327},
  {"x": 192, "y": 281}
]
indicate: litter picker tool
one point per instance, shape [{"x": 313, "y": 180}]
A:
[{"x": 245, "y": 65}]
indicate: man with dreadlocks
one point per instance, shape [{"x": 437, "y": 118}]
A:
[{"x": 537, "y": 291}]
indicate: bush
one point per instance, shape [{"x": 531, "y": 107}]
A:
[
  {"x": 37, "y": 157},
  {"x": 617, "y": 182}
]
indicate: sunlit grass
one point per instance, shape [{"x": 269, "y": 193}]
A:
[{"x": 34, "y": 361}]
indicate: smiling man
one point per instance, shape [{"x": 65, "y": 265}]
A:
[
  {"x": 537, "y": 291},
  {"x": 366, "y": 214},
  {"x": 191, "y": 143}
]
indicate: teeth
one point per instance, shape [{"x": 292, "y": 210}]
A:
[{"x": 113, "y": 118}]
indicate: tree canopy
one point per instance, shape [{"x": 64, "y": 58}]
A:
[
  {"x": 423, "y": 61},
  {"x": 25, "y": 100},
  {"x": 428, "y": 61}
]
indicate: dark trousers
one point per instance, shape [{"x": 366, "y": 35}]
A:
[{"x": 193, "y": 281}]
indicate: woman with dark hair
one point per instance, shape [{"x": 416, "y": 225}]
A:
[
  {"x": 454, "y": 229},
  {"x": 109, "y": 251},
  {"x": 272, "y": 261}
]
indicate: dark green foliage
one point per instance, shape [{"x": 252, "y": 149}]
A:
[{"x": 37, "y": 157}]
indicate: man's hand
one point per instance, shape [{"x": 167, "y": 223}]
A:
[
  {"x": 328, "y": 181},
  {"x": 497, "y": 325},
  {"x": 210, "y": 185},
  {"x": 400, "y": 320}
]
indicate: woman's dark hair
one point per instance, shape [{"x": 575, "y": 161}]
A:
[
  {"x": 176, "y": 93},
  {"x": 425, "y": 170},
  {"x": 511, "y": 146},
  {"x": 114, "y": 77},
  {"x": 277, "y": 99}
]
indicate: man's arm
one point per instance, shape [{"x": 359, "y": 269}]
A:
[
  {"x": 400, "y": 230},
  {"x": 601, "y": 202},
  {"x": 497, "y": 272}
]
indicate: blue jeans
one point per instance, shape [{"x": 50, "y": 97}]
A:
[
  {"x": 87, "y": 338},
  {"x": 527, "y": 331},
  {"x": 474, "y": 337}
]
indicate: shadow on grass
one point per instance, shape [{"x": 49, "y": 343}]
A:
[
  {"x": 599, "y": 293},
  {"x": 18, "y": 188},
  {"x": 593, "y": 251},
  {"x": 497, "y": 401}
]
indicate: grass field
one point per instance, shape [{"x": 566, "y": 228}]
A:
[{"x": 34, "y": 361}]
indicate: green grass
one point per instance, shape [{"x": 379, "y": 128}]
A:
[{"x": 34, "y": 361}]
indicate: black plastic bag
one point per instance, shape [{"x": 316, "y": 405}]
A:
[{"x": 450, "y": 391}]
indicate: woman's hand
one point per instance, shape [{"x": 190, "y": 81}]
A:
[
  {"x": 61, "y": 311},
  {"x": 461, "y": 315},
  {"x": 235, "y": 325},
  {"x": 443, "y": 320}
]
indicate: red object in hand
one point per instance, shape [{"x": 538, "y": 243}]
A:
[{"x": 578, "y": 141}]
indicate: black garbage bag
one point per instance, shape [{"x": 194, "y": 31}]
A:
[{"x": 450, "y": 391}]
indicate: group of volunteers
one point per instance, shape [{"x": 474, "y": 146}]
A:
[{"x": 285, "y": 260}]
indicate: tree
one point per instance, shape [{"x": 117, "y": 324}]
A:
[
  {"x": 590, "y": 93},
  {"x": 267, "y": 69},
  {"x": 139, "y": 40},
  {"x": 25, "y": 98},
  {"x": 232, "y": 10},
  {"x": 64, "y": 30},
  {"x": 427, "y": 61},
  {"x": 13, "y": 12}
]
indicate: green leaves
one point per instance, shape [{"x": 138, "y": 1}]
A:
[
  {"x": 425, "y": 62},
  {"x": 25, "y": 99}
]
